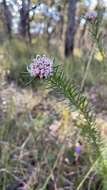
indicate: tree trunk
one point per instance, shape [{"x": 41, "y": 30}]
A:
[
  {"x": 24, "y": 18},
  {"x": 7, "y": 19},
  {"x": 61, "y": 11},
  {"x": 28, "y": 23},
  {"x": 70, "y": 32}
]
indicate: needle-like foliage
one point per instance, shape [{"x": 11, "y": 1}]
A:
[{"x": 61, "y": 85}]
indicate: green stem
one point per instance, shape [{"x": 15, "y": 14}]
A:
[{"x": 54, "y": 167}]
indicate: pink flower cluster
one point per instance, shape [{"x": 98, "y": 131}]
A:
[
  {"x": 91, "y": 15},
  {"x": 40, "y": 67}
]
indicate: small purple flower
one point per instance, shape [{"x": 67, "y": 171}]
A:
[
  {"x": 91, "y": 15},
  {"x": 78, "y": 149}
]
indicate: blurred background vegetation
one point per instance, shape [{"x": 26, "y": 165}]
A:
[{"x": 34, "y": 124}]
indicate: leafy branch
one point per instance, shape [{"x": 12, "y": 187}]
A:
[{"x": 60, "y": 84}]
